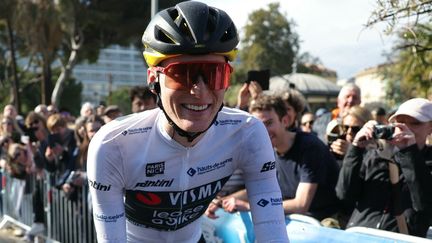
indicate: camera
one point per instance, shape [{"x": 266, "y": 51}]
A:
[
  {"x": 30, "y": 132},
  {"x": 383, "y": 132}
]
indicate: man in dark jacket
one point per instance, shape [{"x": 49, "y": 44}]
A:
[{"x": 405, "y": 206}]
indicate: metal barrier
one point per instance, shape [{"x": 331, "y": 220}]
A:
[{"x": 65, "y": 220}]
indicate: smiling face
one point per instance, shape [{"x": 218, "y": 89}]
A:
[
  {"x": 275, "y": 126},
  {"x": 192, "y": 110},
  {"x": 347, "y": 98}
]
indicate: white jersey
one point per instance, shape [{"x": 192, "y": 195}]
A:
[{"x": 146, "y": 187}]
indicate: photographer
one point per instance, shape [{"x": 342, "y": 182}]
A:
[
  {"x": 340, "y": 136},
  {"x": 402, "y": 205}
]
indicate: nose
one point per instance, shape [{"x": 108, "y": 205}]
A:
[{"x": 199, "y": 88}]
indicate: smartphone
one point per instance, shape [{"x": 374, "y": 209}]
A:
[
  {"x": 53, "y": 139},
  {"x": 260, "y": 76}
]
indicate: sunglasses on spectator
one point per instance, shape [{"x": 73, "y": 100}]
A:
[
  {"x": 6, "y": 122},
  {"x": 35, "y": 122},
  {"x": 183, "y": 75},
  {"x": 308, "y": 122},
  {"x": 354, "y": 129}
]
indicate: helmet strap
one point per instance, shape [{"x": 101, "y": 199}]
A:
[{"x": 189, "y": 135}]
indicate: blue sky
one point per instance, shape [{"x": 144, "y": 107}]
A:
[{"x": 332, "y": 30}]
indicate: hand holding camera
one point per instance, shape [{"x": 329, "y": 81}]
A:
[
  {"x": 366, "y": 135},
  {"x": 403, "y": 137}
]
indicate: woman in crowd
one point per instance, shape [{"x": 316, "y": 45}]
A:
[
  {"x": 352, "y": 121},
  {"x": 389, "y": 180}
]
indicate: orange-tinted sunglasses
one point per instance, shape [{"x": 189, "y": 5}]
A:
[{"x": 183, "y": 75}]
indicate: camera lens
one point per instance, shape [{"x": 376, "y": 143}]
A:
[{"x": 383, "y": 132}]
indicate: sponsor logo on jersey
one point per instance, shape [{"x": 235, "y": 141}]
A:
[
  {"x": 138, "y": 130},
  {"x": 180, "y": 198},
  {"x": 226, "y": 122},
  {"x": 99, "y": 186},
  {"x": 108, "y": 218},
  {"x": 195, "y": 194},
  {"x": 174, "y": 218},
  {"x": 153, "y": 169},
  {"x": 191, "y": 172},
  {"x": 268, "y": 166},
  {"x": 170, "y": 210},
  {"x": 208, "y": 168},
  {"x": 273, "y": 201},
  {"x": 148, "y": 198},
  {"x": 156, "y": 183}
]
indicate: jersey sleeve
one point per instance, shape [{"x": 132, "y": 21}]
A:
[
  {"x": 258, "y": 164},
  {"x": 104, "y": 170}
]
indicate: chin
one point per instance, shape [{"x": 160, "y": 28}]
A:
[{"x": 190, "y": 126}]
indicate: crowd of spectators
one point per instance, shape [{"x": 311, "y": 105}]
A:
[
  {"x": 47, "y": 143},
  {"x": 339, "y": 179},
  {"x": 325, "y": 168}
]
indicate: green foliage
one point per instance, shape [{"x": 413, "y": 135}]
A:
[
  {"x": 395, "y": 12},
  {"x": 121, "y": 98},
  {"x": 43, "y": 31},
  {"x": 268, "y": 42},
  {"x": 71, "y": 99},
  {"x": 411, "y": 64}
]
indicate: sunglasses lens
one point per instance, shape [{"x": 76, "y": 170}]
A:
[
  {"x": 354, "y": 129},
  {"x": 181, "y": 76}
]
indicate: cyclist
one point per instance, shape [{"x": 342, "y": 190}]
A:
[{"x": 153, "y": 174}]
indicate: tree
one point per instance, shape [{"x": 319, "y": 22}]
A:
[
  {"x": 410, "y": 68},
  {"x": 269, "y": 42},
  {"x": 64, "y": 32},
  {"x": 393, "y": 12},
  {"x": 10, "y": 64},
  {"x": 121, "y": 98}
]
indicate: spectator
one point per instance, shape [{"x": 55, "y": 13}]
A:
[
  {"x": 365, "y": 175},
  {"x": 352, "y": 121},
  {"x": 87, "y": 109},
  {"x": 100, "y": 109},
  {"x": 307, "y": 179},
  {"x": 78, "y": 177},
  {"x": 142, "y": 99},
  {"x": 349, "y": 96},
  {"x": 295, "y": 104},
  {"x": 62, "y": 150},
  {"x": 38, "y": 133},
  {"x": 379, "y": 115},
  {"x": 247, "y": 93},
  {"x": 42, "y": 110},
  {"x": 10, "y": 128},
  {"x": 307, "y": 121},
  {"x": 111, "y": 113},
  {"x": 20, "y": 161},
  {"x": 52, "y": 109},
  {"x": 5, "y": 141},
  {"x": 321, "y": 111}
]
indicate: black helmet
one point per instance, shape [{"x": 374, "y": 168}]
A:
[{"x": 189, "y": 28}]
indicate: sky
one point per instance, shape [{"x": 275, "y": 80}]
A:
[{"x": 332, "y": 30}]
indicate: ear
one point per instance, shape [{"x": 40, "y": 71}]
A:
[
  {"x": 152, "y": 80},
  {"x": 151, "y": 76},
  {"x": 285, "y": 121}
]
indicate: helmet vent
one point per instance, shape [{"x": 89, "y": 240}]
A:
[
  {"x": 179, "y": 20},
  {"x": 162, "y": 36}
]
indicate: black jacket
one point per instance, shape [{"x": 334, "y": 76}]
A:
[{"x": 364, "y": 182}]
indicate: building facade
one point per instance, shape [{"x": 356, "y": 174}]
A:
[{"x": 117, "y": 67}]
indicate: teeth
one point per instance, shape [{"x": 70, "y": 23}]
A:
[{"x": 197, "y": 107}]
